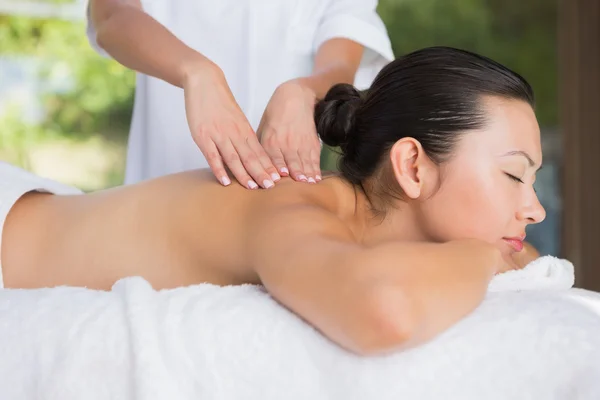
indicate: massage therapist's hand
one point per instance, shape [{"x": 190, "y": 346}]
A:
[
  {"x": 222, "y": 131},
  {"x": 288, "y": 134}
]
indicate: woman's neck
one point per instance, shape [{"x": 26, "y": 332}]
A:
[{"x": 374, "y": 224}]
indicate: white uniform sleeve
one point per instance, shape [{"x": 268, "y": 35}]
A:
[
  {"x": 91, "y": 34},
  {"x": 358, "y": 20}
]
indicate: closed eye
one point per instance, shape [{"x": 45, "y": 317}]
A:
[{"x": 514, "y": 178}]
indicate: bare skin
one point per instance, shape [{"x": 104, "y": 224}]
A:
[
  {"x": 370, "y": 285},
  {"x": 157, "y": 230},
  {"x": 162, "y": 230}
]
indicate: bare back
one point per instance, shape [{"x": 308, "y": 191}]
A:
[
  {"x": 304, "y": 241},
  {"x": 177, "y": 230}
]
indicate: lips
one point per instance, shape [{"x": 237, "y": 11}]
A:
[{"x": 516, "y": 243}]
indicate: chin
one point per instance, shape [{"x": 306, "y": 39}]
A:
[{"x": 526, "y": 256}]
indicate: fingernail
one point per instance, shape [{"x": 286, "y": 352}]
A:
[
  {"x": 225, "y": 181},
  {"x": 275, "y": 176},
  {"x": 284, "y": 170},
  {"x": 318, "y": 177},
  {"x": 311, "y": 180},
  {"x": 302, "y": 177},
  {"x": 252, "y": 185},
  {"x": 268, "y": 184}
]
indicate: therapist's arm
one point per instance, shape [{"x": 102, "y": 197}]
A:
[
  {"x": 218, "y": 125},
  {"x": 336, "y": 61},
  {"x": 287, "y": 130},
  {"x": 138, "y": 41}
]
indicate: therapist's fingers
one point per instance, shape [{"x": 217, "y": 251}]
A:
[
  {"x": 233, "y": 161},
  {"x": 315, "y": 158},
  {"x": 215, "y": 162},
  {"x": 310, "y": 157},
  {"x": 278, "y": 159},
  {"x": 294, "y": 163},
  {"x": 314, "y": 152},
  {"x": 252, "y": 160},
  {"x": 273, "y": 150},
  {"x": 269, "y": 163},
  {"x": 307, "y": 165}
]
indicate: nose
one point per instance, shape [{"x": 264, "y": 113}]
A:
[{"x": 532, "y": 213}]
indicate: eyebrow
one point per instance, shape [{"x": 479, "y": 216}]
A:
[{"x": 524, "y": 154}]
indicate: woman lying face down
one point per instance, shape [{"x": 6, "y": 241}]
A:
[{"x": 433, "y": 198}]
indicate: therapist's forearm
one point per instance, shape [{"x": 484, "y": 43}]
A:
[
  {"x": 138, "y": 41},
  {"x": 336, "y": 61},
  {"x": 322, "y": 80}
]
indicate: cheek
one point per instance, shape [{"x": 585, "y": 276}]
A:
[{"x": 471, "y": 203}]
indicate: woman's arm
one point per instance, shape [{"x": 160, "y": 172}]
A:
[{"x": 368, "y": 300}]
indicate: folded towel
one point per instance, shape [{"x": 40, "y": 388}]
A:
[
  {"x": 236, "y": 342},
  {"x": 545, "y": 273}
]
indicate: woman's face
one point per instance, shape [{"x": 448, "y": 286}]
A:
[{"x": 486, "y": 188}]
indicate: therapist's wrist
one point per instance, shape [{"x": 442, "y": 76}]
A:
[
  {"x": 200, "y": 69},
  {"x": 320, "y": 82},
  {"x": 308, "y": 85}
]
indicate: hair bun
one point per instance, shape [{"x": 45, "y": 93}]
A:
[{"x": 335, "y": 115}]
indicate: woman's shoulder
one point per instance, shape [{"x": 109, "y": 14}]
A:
[
  {"x": 324, "y": 195},
  {"x": 305, "y": 209},
  {"x": 200, "y": 188}
]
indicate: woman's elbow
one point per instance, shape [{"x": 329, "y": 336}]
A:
[{"x": 389, "y": 323}]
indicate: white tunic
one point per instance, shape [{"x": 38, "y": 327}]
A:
[{"x": 258, "y": 44}]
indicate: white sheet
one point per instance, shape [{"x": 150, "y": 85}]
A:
[{"x": 206, "y": 342}]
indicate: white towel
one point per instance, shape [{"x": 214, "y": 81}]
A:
[
  {"x": 207, "y": 342},
  {"x": 545, "y": 273}
]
